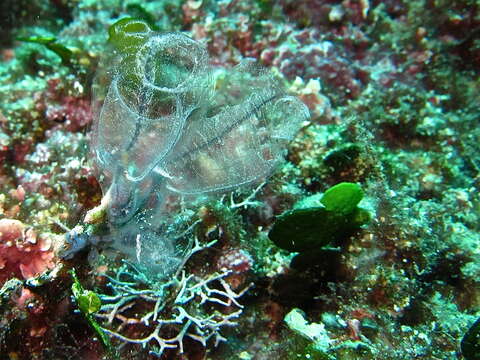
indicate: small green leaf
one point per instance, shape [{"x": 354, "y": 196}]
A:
[
  {"x": 316, "y": 222},
  {"x": 62, "y": 51},
  {"x": 342, "y": 198},
  {"x": 42, "y": 40},
  {"x": 89, "y": 302},
  {"x": 50, "y": 43}
]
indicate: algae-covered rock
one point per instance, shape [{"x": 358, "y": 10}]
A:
[
  {"x": 310, "y": 228},
  {"x": 342, "y": 157}
]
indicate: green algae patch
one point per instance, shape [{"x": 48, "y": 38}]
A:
[
  {"x": 305, "y": 229},
  {"x": 310, "y": 228},
  {"x": 88, "y": 302},
  {"x": 342, "y": 198}
]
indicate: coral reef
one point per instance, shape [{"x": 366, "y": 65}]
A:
[{"x": 392, "y": 89}]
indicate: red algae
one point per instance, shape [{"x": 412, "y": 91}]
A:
[{"x": 23, "y": 254}]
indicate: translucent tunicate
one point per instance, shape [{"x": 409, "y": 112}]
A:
[{"x": 166, "y": 124}]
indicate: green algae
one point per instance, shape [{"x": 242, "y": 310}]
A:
[
  {"x": 342, "y": 198},
  {"x": 51, "y": 44},
  {"x": 89, "y": 303},
  {"x": 307, "y": 227}
]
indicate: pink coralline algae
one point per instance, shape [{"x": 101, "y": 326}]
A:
[
  {"x": 308, "y": 56},
  {"x": 59, "y": 106},
  {"x": 230, "y": 41},
  {"x": 23, "y": 254}
]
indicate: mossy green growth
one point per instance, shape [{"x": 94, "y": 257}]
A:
[
  {"x": 317, "y": 222},
  {"x": 470, "y": 344}
]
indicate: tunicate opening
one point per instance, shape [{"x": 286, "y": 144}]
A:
[{"x": 170, "y": 62}]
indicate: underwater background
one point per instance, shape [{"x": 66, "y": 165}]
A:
[{"x": 363, "y": 243}]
